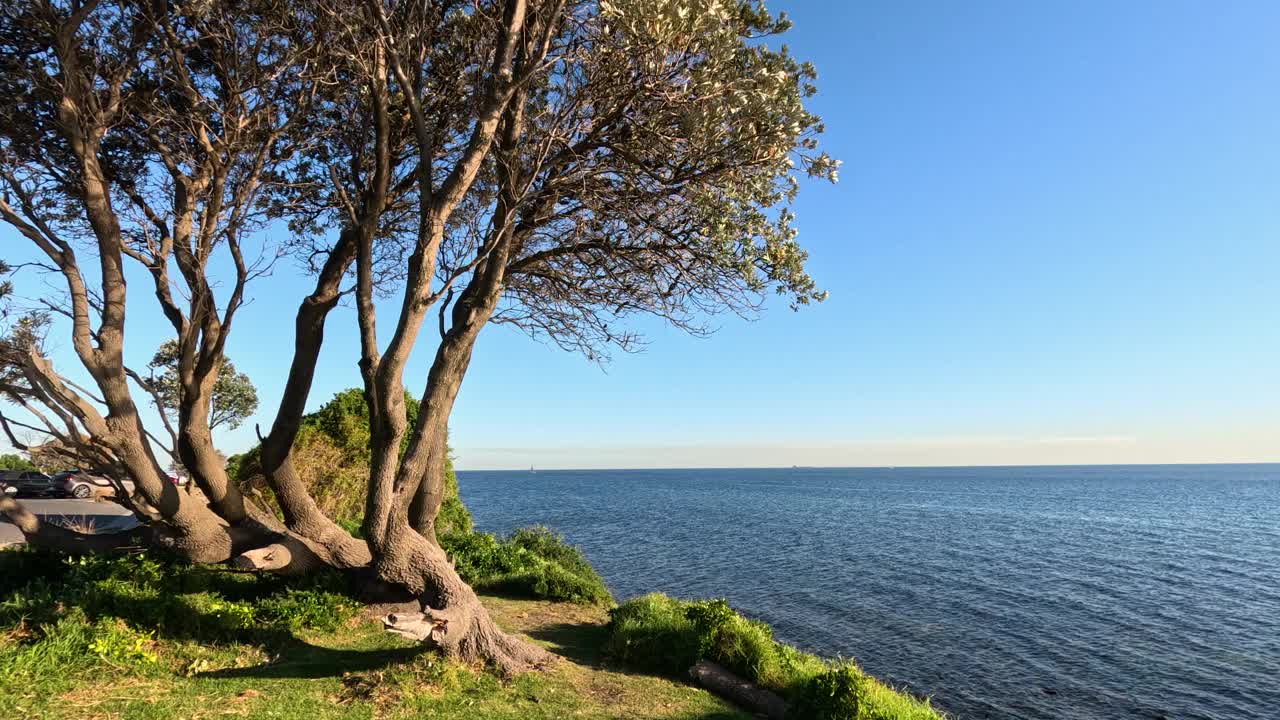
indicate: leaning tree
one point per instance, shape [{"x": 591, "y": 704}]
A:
[
  {"x": 557, "y": 165},
  {"x": 159, "y": 134}
]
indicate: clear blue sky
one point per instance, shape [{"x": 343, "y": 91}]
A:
[{"x": 1056, "y": 239}]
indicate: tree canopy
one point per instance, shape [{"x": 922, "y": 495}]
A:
[
  {"x": 562, "y": 166},
  {"x": 12, "y": 461},
  {"x": 234, "y": 396}
]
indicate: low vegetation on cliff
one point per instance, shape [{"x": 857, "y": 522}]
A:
[
  {"x": 142, "y": 638},
  {"x": 531, "y": 562},
  {"x": 80, "y": 636},
  {"x": 660, "y": 634}
]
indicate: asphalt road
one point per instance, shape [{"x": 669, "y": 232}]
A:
[{"x": 103, "y": 516}]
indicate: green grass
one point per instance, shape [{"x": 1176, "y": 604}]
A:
[
  {"x": 531, "y": 562},
  {"x": 660, "y": 634},
  {"x": 140, "y": 638}
]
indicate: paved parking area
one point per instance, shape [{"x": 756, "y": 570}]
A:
[{"x": 102, "y": 516}]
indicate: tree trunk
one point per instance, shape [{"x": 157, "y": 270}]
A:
[
  {"x": 302, "y": 515},
  {"x": 429, "y": 495},
  {"x": 456, "y": 621},
  {"x": 741, "y": 692},
  {"x": 196, "y": 451},
  {"x": 193, "y": 530}
]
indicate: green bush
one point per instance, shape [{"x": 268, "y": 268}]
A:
[
  {"x": 10, "y": 461},
  {"x": 532, "y": 562},
  {"x": 653, "y": 632},
  {"x": 833, "y": 695},
  {"x": 118, "y": 644},
  {"x": 453, "y": 518},
  {"x": 296, "y": 609},
  {"x": 62, "y": 647},
  {"x": 657, "y": 633},
  {"x": 331, "y": 456}
]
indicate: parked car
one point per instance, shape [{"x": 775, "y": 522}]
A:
[
  {"x": 28, "y": 483},
  {"x": 87, "y": 484}
]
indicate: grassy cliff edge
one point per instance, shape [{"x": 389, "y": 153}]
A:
[{"x": 140, "y": 637}]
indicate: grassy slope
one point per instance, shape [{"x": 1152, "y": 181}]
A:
[{"x": 360, "y": 672}]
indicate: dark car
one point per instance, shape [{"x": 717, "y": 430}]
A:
[
  {"x": 29, "y": 483},
  {"x": 87, "y": 484}
]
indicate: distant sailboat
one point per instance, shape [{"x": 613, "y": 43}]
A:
[{"x": 532, "y": 470}]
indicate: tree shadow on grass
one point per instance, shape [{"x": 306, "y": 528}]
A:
[
  {"x": 721, "y": 715},
  {"x": 209, "y": 619},
  {"x": 582, "y": 643},
  {"x": 301, "y": 660}
]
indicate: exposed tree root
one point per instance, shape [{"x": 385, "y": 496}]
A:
[{"x": 452, "y": 617}]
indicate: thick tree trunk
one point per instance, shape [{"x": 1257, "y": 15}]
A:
[
  {"x": 429, "y": 495},
  {"x": 453, "y": 618},
  {"x": 194, "y": 530},
  {"x": 741, "y": 692},
  {"x": 457, "y": 621},
  {"x": 302, "y": 516},
  {"x": 198, "y": 456}
]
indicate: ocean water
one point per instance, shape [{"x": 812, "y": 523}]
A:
[{"x": 1033, "y": 592}]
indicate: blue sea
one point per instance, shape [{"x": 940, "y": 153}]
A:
[{"x": 1052, "y": 593}]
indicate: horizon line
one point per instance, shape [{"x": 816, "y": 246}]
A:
[{"x": 875, "y": 467}]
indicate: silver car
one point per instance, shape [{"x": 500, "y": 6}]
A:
[{"x": 86, "y": 484}]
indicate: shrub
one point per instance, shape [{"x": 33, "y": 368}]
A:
[
  {"x": 118, "y": 644},
  {"x": 25, "y": 563},
  {"x": 533, "y": 562},
  {"x": 10, "y": 461},
  {"x": 62, "y": 646},
  {"x": 658, "y": 633},
  {"x": 74, "y": 643},
  {"x": 833, "y": 695},
  {"x": 453, "y": 517},
  {"x": 331, "y": 456},
  {"x": 297, "y": 609},
  {"x": 653, "y": 632}
]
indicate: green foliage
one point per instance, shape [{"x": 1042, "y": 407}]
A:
[
  {"x": 119, "y": 644},
  {"x": 298, "y": 609},
  {"x": 331, "y": 455},
  {"x": 532, "y": 562},
  {"x": 357, "y": 672},
  {"x": 453, "y": 518},
  {"x": 345, "y": 419},
  {"x": 12, "y": 461},
  {"x": 833, "y": 695},
  {"x": 64, "y": 646},
  {"x": 234, "y": 396},
  {"x": 657, "y": 633},
  {"x": 654, "y": 633},
  {"x": 74, "y": 611}
]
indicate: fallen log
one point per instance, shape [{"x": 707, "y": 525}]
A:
[{"x": 738, "y": 691}]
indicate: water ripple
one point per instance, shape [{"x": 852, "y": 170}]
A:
[{"x": 1027, "y": 593}]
